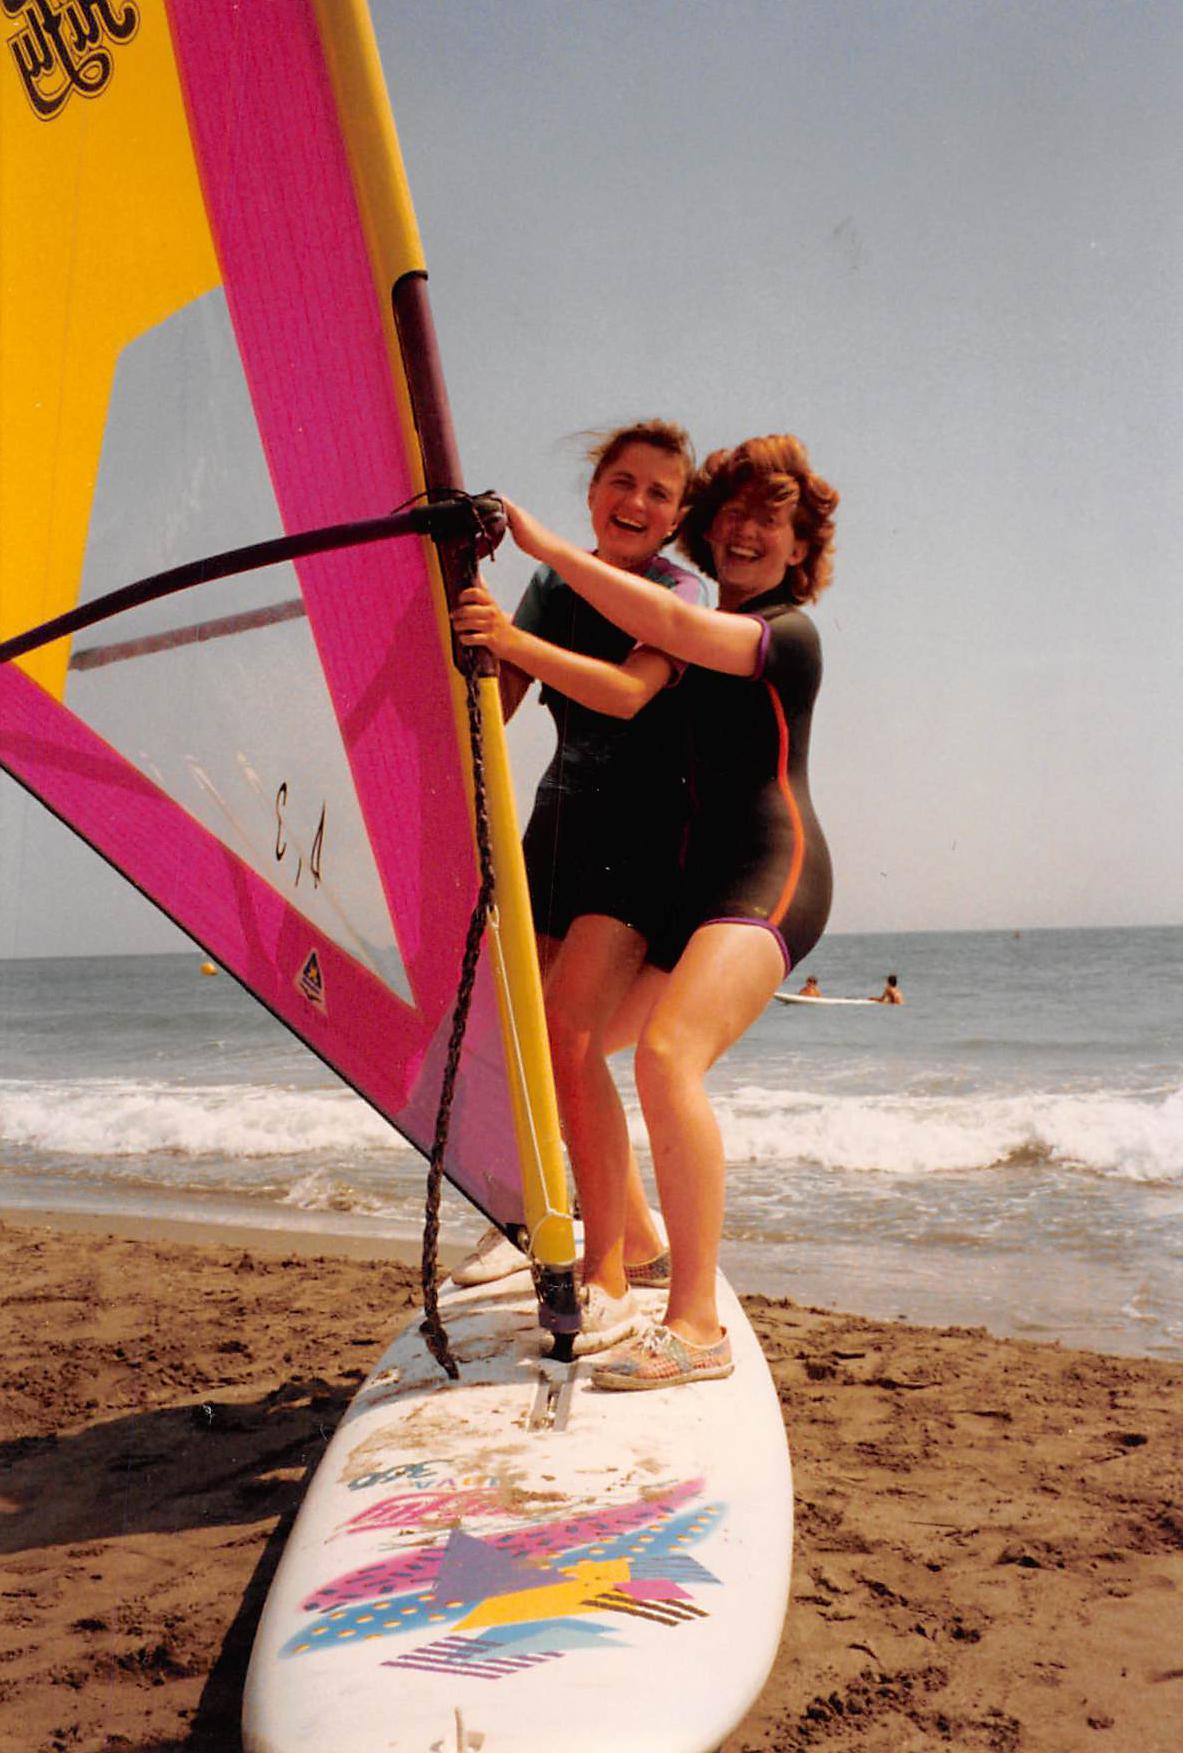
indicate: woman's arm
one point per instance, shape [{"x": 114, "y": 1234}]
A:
[
  {"x": 730, "y": 643},
  {"x": 617, "y": 690}
]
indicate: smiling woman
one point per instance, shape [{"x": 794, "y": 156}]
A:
[
  {"x": 603, "y": 840},
  {"x": 757, "y": 539},
  {"x": 577, "y": 861},
  {"x": 761, "y": 523}
]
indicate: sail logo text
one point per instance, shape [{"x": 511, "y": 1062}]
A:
[{"x": 62, "y": 46}]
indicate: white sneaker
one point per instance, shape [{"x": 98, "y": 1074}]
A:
[
  {"x": 605, "y": 1320},
  {"x": 493, "y": 1257}
]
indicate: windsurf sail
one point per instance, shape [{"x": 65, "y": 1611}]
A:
[{"x": 214, "y": 334}]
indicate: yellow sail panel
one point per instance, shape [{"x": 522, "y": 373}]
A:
[
  {"x": 351, "y": 52},
  {"x": 103, "y": 234}
]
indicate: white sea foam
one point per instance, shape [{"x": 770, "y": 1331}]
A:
[
  {"x": 1130, "y": 1137},
  {"x": 1119, "y": 1134},
  {"x": 107, "y": 1118},
  {"x": 323, "y": 1190}
]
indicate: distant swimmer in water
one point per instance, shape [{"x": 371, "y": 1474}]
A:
[
  {"x": 811, "y": 989},
  {"x": 891, "y": 993}
]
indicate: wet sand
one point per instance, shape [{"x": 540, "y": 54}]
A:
[{"x": 989, "y": 1532}]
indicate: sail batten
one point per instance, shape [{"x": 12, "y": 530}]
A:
[{"x": 224, "y": 627}]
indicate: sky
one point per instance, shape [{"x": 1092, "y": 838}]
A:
[{"x": 941, "y": 241}]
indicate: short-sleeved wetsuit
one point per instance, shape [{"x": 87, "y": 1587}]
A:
[
  {"x": 606, "y": 831},
  {"x": 755, "y": 850}
]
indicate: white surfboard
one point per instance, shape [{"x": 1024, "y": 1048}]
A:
[
  {"x": 805, "y": 998},
  {"x": 518, "y": 1561}
]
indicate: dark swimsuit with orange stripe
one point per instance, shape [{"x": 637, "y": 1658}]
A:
[{"x": 755, "y": 851}]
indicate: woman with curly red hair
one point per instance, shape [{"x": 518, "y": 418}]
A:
[{"x": 754, "y": 892}]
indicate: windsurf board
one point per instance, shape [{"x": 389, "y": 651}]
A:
[{"x": 518, "y": 1561}]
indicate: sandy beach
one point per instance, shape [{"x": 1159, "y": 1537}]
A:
[{"x": 990, "y": 1532}]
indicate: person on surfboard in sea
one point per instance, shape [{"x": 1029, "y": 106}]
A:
[
  {"x": 601, "y": 846},
  {"x": 761, "y": 523},
  {"x": 891, "y": 993},
  {"x": 811, "y": 989}
]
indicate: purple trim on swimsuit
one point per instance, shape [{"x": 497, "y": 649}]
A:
[
  {"x": 762, "y": 650},
  {"x": 687, "y": 585},
  {"x": 764, "y": 924}
]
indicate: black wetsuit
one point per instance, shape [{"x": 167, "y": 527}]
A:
[
  {"x": 755, "y": 850},
  {"x": 606, "y": 831}
]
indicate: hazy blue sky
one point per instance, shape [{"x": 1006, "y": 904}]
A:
[{"x": 942, "y": 242}]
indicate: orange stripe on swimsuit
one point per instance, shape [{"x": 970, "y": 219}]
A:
[{"x": 785, "y": 898}]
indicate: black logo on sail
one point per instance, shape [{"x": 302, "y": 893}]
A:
[
  {"x": 311, "y": 981},
  {"x": 63, "y": 46}
]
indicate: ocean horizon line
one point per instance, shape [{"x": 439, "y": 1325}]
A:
[{"x": 830, "y": 937}]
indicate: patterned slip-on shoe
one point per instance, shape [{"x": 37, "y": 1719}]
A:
[
  {"x": 605, "y": 1320},
  {"x": 661, "y": 1359},
  {"x": 493, "y": 1257},
  {"x": 650, "y": 1274}
]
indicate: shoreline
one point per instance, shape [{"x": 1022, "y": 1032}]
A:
[
  {"x": 300, "y": 1243},
  {"x": 889, "y": 1281},
  {"x": 989, "y": 1547}
]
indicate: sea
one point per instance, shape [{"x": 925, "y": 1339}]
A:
[{"x": 1004, "y": 1150}]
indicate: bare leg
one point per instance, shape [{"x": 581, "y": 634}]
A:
[
  {"x": 596, "y": 966},
  {"x": 628, "y": 1019},
  {"x": 641, "y": 1240},
  {"x": 720, "y": 986}
]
